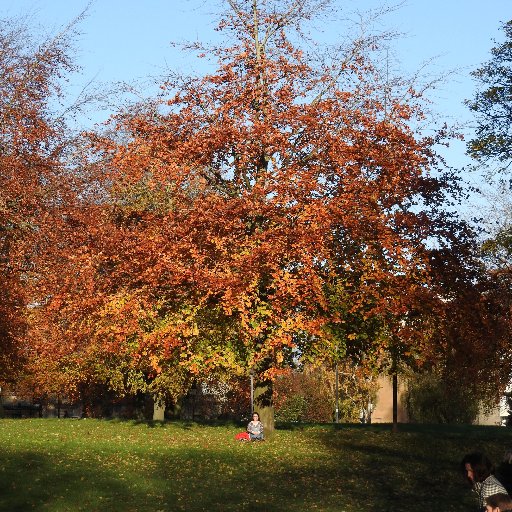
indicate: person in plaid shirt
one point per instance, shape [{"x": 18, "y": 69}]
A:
[{"x": 479, "y": 471}]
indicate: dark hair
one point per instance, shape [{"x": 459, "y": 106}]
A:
[
  {"x": 257, "y": 414},
  {"x": 480, "y": 464},
  {"x": 501, "y": 500}
]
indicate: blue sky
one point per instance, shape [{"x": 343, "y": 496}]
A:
[{"x": 123, "y": 40}]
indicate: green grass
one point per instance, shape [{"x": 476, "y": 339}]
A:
[{"x": 91, "y": 465}]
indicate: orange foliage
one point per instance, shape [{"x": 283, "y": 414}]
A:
[
  {"x": 30, "y": 169},
  {"x": 211, "y": 221}
]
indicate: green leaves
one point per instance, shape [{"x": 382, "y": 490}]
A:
[{"x": 492, "y": 105}]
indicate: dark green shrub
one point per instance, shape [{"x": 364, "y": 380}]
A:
[
  {"x": 293, "y": 409},
  {"x": 304, "y": 396},
  {"x": 430, "y": 399}
]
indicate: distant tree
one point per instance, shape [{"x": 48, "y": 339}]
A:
[
  {"x": 430, "y": 399},
  {"x": 41, "y": 190},
  {"x": 492, "y": 105},
  {"x": 491, "y": 290},
  {"x": 469, "y": 323}
]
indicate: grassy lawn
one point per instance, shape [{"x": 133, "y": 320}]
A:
[{"x": 92, "y": 465}]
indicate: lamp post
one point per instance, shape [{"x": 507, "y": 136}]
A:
[
  {"x": 252, "y": 391},
  {"x": 337, "y": 410}
]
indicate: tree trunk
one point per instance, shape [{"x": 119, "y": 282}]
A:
[
  {"x": 158, "y": 410},
  {"x": 395, "y": 402},
  {"x": 263, "y": 404}
]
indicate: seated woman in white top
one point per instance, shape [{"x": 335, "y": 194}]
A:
[{"x": 255, "y": 428}]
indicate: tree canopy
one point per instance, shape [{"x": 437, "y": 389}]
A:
[
  {"x": 274, "y": 209},
  {"x": 249, "y": 213}
]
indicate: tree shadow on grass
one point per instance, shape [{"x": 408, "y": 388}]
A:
[
  {"x": 418, "y": 467},
  {"x": 181, "y": 480},
  {"x": 358, "y": 479},
  {"x": 32, "y": 481}
]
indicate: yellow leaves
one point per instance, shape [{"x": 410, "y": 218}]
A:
[{"x": 155, "y": 360}]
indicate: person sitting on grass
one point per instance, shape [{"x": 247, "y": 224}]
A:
[
  {"x": 479, "y": 471},
  {"x": 255, "y": 428},
  {"x": 499, "y": 502}
]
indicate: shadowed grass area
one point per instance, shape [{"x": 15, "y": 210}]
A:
[{"x": 92, "y": 465}]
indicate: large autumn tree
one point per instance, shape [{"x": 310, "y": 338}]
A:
[{"x": 235, "y": 206}]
